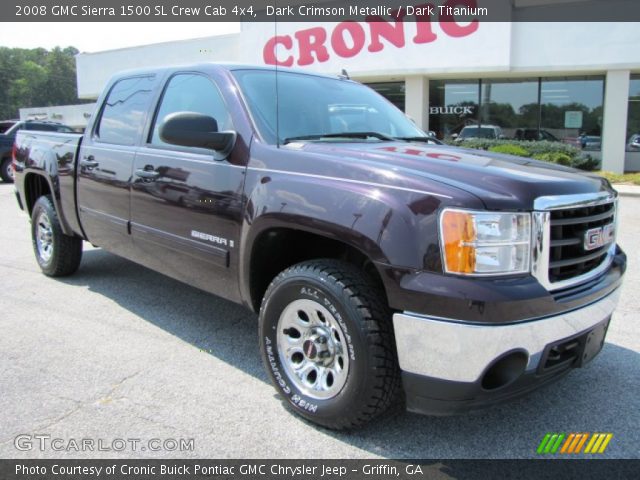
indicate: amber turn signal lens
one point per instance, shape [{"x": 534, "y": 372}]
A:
[{"x": 458, "y": 234}]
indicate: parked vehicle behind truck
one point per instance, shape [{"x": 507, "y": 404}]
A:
[{"x": 383, "y": 267}]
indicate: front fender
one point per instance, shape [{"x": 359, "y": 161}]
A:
[
  {"x": 389, "y": 226},
  {"x": 374, "y": 221}
]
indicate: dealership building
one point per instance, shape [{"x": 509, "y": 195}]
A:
[{"x": 577, "y": 83}]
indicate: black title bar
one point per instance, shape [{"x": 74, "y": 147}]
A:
[{"x": 319, "y": 10}]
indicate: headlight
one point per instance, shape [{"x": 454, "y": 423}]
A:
[{"x": 485, "y": 243}]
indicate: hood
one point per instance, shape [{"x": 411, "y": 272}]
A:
[{"x": 501, "y": 182}]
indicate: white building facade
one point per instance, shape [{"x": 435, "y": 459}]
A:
[
  {"x": 75, "y": 116},
  {"x": 577, "y": 83}
]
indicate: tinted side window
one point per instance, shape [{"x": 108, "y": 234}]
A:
[
  {"x": 124, "y": 110},
  {"x": 188, "y": 92},
  {"x": 42, "y": 127}
]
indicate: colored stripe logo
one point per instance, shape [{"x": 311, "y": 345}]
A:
[{"x": 574, "y": 443}]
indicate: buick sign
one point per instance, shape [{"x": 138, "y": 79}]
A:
[{"x": 451, "y": 110}]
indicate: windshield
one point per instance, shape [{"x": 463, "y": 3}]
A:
[{"x": 311, "y": 106}]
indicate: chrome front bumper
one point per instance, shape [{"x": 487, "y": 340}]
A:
[{"x": 461, "y": 352}]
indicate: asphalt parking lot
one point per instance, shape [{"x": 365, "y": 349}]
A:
[{"x": 120, "y": 352}]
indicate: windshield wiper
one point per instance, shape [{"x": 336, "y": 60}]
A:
[
  {"x": 363, "y": 135},
  {"x": 425, "y": 139}
]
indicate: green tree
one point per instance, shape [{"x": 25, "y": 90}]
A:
[
  {"x": 36, "y": 78},
  {"x": 61, "y": 76}
]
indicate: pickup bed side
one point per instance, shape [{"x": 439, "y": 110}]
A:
[{"x": 46, "y": 162}]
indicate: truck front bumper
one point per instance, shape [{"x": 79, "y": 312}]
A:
[{"x": 450, "y": 367}]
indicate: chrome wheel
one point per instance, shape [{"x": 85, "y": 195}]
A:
[
  {"x": 44, "y": 237},
  {"x": 313, "y": 349}
]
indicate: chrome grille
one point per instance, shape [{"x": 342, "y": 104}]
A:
[
  {"x": 567, "y": 255},
  {"x": 561, "y": 257}
]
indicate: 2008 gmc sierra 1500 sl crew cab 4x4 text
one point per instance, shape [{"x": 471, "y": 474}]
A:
[{"x": 385, "y": 267}]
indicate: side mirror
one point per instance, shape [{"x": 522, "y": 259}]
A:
[{"x": 190, "y": 129}]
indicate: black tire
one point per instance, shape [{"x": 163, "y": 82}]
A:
[
  {"x": 65, "y": 252},
  {"x": 357, "y": 305},
  {"x": 5, "y": 170}
]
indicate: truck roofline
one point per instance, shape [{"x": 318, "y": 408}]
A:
[{"x": 229, "y": 67}]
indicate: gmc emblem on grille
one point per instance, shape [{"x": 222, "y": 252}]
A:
[{"x": 598, "y": 237}]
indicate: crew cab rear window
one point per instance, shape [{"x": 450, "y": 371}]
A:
[
  {"x": 124, "y": 111},
  {"x": 190, "y": 92},
  {"x": 47, "y": 127}
]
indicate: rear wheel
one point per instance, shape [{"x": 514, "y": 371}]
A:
[
  {"x": 6, "y": 172},
  {"x": 327, "y": 343},
  {"x": 57, "y": 254}
]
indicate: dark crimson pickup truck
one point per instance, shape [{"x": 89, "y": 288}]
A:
[{"x": 385, "y": 267}]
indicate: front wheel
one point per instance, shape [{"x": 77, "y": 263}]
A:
[
  {"x": 57, "y": 254},
  {"x": 327, "y": 343}
]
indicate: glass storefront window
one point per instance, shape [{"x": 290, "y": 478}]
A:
[
  {"x": 633, "y": 119},
  {"x": 571, "y": 110},
  {"x": 392, "y": 91},
  {"x": 562, "y": 109},
  {"x": 511, "y": 105},
  {"x": 453, "y": 105}
]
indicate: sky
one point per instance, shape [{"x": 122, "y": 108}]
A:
[{"x": 98, "y": 36}]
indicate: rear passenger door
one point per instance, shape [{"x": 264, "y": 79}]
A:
[
  {"x": 106, "y": 163},
  {"x": 186, "y": 201}
]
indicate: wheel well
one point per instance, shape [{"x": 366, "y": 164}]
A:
[
  {"x": 35, "y": 186},
  {"x": 277, "y": 249}
]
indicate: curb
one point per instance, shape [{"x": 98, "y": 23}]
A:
[{"x": 627, "y": 191}]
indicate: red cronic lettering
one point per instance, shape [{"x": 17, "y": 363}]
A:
[
  {"x": 339, "y": 44},
  {"x": 349, "y": 38},
  {"x": 422, "y": 153},
  {"x": 393, "y": 33},
  {"x": 424, "y": 28},
  {"x": 269, "y": 53},
  {"x": 451, "y": 27},
  {"x": 404, "y": 150},
  {"x": 312, "y": 40},
  {"x": 444, "y": 156}
]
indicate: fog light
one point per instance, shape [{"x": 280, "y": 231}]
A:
[{"x": 505, "y": 370}]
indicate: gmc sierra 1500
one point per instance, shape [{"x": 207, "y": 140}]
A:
[{"x": 381, "y": 262}]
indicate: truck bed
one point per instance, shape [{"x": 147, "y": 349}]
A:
[{"x": 55, "y": 154}]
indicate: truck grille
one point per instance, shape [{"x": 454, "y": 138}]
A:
[
  {"x": 573, "y": 238},
  {"x": 567, "y": 255}
]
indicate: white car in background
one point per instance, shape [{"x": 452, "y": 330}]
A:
[
  {"x": 634, "y": 143},
  {"x": 491, "y": 132}
]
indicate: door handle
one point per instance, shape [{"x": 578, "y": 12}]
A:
[
  {"x": 147, "y": 174},
  {"x": 89, "y": 162}
]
